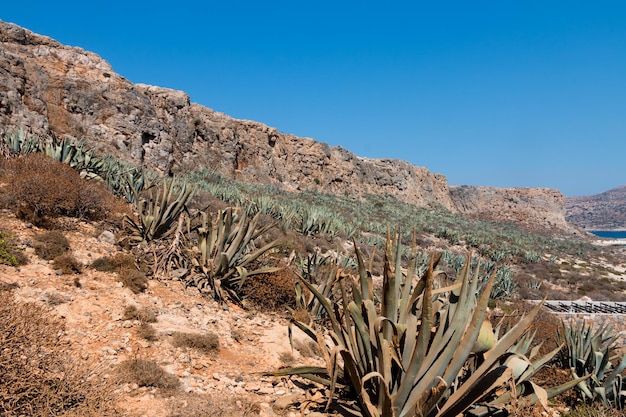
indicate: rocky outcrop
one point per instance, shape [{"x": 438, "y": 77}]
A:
[
  {"x": 534, "y": 208},
  {"x": 48, "y": 88}
]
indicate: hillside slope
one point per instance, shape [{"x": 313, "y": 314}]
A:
[
  {"x": 604, "y": 211},
  {"x": 48, "y": 88}
]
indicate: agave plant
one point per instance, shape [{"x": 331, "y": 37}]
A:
[
  {"x": 17, "y": 143},
  {"x": 159, "y": 212},
  {"x": 412, "y": 354},
  {"x": 225, "y": 247},
  {"x": 124, "y": 179},
  {"x": 84, "y": 161},
  {"x": 590, "y": 350}
]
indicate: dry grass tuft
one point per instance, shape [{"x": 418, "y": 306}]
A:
[
  {"x": 206, "y": 343},
  {"x": 115, "y": 263},
  {"x": 593, "y": 410},
  {"x": 302, "y": 315},
  {"x": 144, "y": 315},
  {"x": 146, "y": 373},
  {"x": 67, "y": 264},
  {"x": 134, "y": 280},
  {"x": 307, "y": 349},
  {"x": 50, "y": 245},
  {"x": 147, "y": 332},
  {"x": 38, "y": 376}
]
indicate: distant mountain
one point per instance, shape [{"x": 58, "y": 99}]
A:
[{"x": 604, "y": 211}]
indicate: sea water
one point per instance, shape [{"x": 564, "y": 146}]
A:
[{"x": 610, "y": 234}]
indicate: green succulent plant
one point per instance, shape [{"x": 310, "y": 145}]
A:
[
  {"x": 158, "y": 213},
  {"x": 74, "y": 154},
  {"x": 591, "y": 351},
  {"x": 420, "y": 352},
  {"x": 124, "y": 179},
  {"x": 224, "y": 249},
  {"x": 17, "y": 143}
]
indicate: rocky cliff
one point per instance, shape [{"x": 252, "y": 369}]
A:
[{"x": 48, "y": 88}]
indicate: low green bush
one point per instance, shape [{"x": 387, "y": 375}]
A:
[{"x": 10, "y": 253}]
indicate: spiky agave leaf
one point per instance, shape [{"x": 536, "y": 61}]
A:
[
  {"x": 405, "y": 357},
  {"x": 159, "y": 212},
  {"x": 225, "y": 247}
]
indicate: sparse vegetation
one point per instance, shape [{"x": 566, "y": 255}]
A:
[
  {"x": 143, "y": 314},
  {"x": 147, "y": 332},
  {"x": 39, "y": 189},
  {"x": 115, "y": 263},
  {"x": 133, "y": 279},
  {"x": 50, "y": 245},
  {"x": 194, "y": 405},
  {"x": 67, "y": 264},
  {"x": 146, "y": 373},
  {"x": 38, "y": 377},
  {"x": 233, "y": 253},
  {"x": 206, "y": 343},
  {"x": 10, "y": 252}
]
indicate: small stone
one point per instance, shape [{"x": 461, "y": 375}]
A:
[{"x": 107, "y": 237}]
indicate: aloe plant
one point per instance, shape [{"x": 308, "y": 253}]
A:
[
  {"x": 224, "y": 250},
  {"x": 159, "y": 212},
  {"x": 590, "y": 350},
  {"x": 411, "y": 355}
]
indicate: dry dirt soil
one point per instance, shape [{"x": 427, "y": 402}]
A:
[{"x": 93, "y": 305}]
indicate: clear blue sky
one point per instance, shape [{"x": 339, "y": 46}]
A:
[{"x": 500, "y": 93}]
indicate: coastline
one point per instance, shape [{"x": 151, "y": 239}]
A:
[{"x": 610, "y": 242}]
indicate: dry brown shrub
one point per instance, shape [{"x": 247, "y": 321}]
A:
[
  {"x": 114, "y": 263},
  {"x": 134, "y": 280},
  {"x": 144, "y": 315},
  {"x": 39, "y": 378},
  {"x": 146, "y": 373},
  {"x": 6, "y": 286},
  {"x": 67, "y": 264},
  {"x": 147, "y": 332},
  {"x": 271, "y": 292},
  {"x": 40, "y": 188},
  {"x": 50, "y": 245},
  {"x": 206, "y": 343}
]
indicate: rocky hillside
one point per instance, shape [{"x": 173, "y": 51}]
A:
[
  {"x": 48, "y": 88},
  {"x": 604, "y": 211}
]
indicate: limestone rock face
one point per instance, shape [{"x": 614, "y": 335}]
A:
[
  {"x": 534, "y": 208},
  {"x": 49, "y": 88}
]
